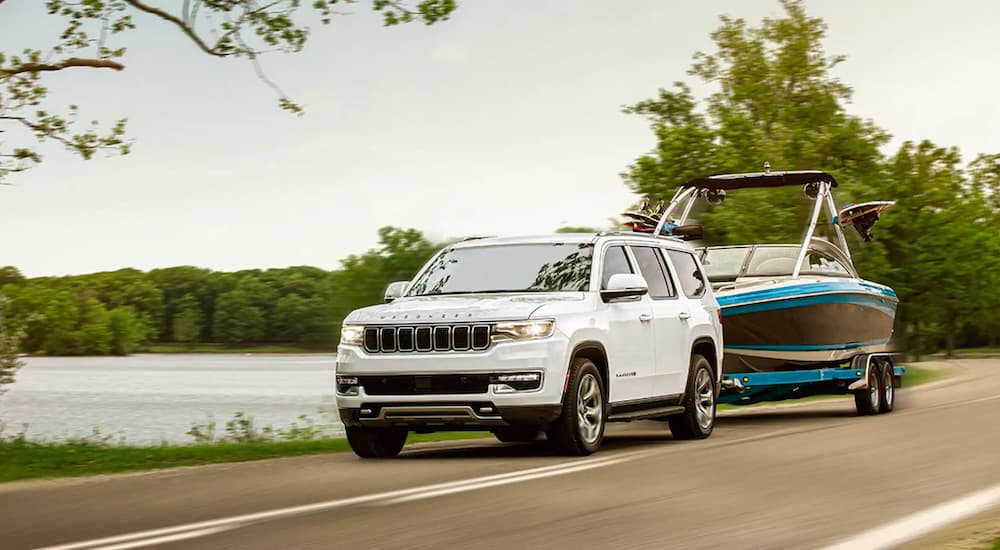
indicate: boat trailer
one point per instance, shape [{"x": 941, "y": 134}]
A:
[{"x": 871, "y": 377}]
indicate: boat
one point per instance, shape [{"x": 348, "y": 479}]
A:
[{"x": 790, "y": 306}]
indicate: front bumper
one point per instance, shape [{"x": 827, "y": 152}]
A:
[
  {"x": 482, "y": 408},
  {"x": 472, "y": 415}
]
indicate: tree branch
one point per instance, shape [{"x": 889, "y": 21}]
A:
[
  {"x": 176, "y": 21},
  {"x": 65, "y": 64}
]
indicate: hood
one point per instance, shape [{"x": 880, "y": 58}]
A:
[{"x": 427, "y": 309}]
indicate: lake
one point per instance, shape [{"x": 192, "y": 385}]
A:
[{"x": 148, "y": 398}]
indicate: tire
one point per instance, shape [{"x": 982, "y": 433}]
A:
[
  {"x": 516, "y": 434},
  {"x": 376, "y": 442},
  {"x": 887, "y": 386},
  {"x": 869, "y": 400},
  {"x": 579, "y": 430},
  {"x": 698, "y": 419}
]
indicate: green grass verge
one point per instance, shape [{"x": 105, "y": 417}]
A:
[
  {"x": 219, "y": 348},
  {"x": 996, "y": 544},
  {"x": 914, "y": 376},
  {"x": 29, "y": 460}
]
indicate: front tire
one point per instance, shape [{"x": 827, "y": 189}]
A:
[
  {"x": 579, "y": 430},
  {"x": 376, "y": 442},
  {"x": 698, "y": 419}
]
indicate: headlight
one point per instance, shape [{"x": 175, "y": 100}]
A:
[
  {"x": 523, "y": 330},
  {"x": 352, "y": 335}
]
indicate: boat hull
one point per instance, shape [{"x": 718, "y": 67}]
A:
[{"x": 799, "y": 324}]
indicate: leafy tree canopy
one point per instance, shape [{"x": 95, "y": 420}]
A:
[{"x": 93, "y": 35}]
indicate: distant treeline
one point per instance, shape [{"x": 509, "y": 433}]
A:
[{"x": 117, "y": 312}]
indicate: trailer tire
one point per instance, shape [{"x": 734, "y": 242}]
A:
[
  {"x": 698, "y": 419},
  {"x": 869, "y": 400},
  {"x": 886, "y": 386}
]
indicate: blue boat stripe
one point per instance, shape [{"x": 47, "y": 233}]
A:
[
  {"x": 807, "y": 289},
  {"x": 811, "y": 347},
  {"x": 867, "y": 300}
]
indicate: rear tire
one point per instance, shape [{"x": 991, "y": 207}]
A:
[
  {"x": 376, "y": 442},
  {"x": 516, "y": 434},
  {"x": 868, "y": 401},
  {"x": 887, "y": 386},
  {"x": 579, "y": 430},
  {"x": 698, "y": 419}
]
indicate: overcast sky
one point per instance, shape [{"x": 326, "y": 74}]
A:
[{"x": 503, "y": 120}]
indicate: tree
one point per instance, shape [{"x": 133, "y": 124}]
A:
[
  {"x": 237, "y": 29},
  {"x": 237, "y": 321},
  {"x": 775, "y": 100},
  {"x": 10, "y": 348},
  {"x": 187, "y": 320},
  {"x": 126, "y": 330}
]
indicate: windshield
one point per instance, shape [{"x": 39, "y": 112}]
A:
[
  {"x": 507, "y": 268},
  {"x": 724, "y": 263}
]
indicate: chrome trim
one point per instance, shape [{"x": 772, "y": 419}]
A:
[
  {"x": 472, "y": 337},
  {"x": 459, "y": 414},
  {"x": 381, "y": 340}
]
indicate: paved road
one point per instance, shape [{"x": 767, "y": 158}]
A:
[{"x": 788, "y": 477}]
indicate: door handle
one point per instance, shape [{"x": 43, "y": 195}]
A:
[
  {"x": 646, "y": 317},
  {"x": 683, "y": 316}
]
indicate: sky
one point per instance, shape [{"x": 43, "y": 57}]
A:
[{"x": 506, "y": 119}]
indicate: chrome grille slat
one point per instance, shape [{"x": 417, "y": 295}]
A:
[{"x": 425, "y": 338}]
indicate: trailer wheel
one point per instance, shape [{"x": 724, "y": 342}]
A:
[
  {"x": 886, "y": 386},
  {"x": 868, "y": 401}
]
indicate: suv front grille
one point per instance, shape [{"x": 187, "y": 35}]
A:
[{"x": 423, "y": 338}]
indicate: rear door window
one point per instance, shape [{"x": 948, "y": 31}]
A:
[
  {"x": 691, "y": 278},
  {"x": 652, "y": 269}
]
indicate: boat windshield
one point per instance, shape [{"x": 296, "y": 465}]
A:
[
  {"x": 726, "y": 263},
  {"x": 556, "y": 267}
]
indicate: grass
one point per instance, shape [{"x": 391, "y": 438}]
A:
[
  {"x": 914, "y": 376},
  {"x": 996, "y": 544},
  {"x": 29, "y": 460},
  {"x": 219, "y": 348}
]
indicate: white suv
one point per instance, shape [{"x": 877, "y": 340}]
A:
[{"x": 556, "y": 334}]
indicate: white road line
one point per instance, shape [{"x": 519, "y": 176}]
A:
[
  {"x": 922, "y": 523},
  {"x": 494, "y": 483},
  {"x": 166, "y": 538},
  {"x": 144, "y": 538}
]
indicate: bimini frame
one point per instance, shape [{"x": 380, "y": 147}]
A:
[{"x": 689, "y": 192}]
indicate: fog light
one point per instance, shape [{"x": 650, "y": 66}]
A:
[
  {"x": 516, "y": 381},
  {"x": 348, "y": 385}
]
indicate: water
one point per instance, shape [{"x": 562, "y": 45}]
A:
[{"x": 147, "y": 399}]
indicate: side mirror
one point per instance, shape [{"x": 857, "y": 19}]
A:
[
  {"x": 624, "y": 285},
  {"x": 395, "y": 290}
]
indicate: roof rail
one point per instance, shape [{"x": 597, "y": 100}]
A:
[
  {"x": 477, "y": 237},
  {"x": 617, "y": 233}
]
